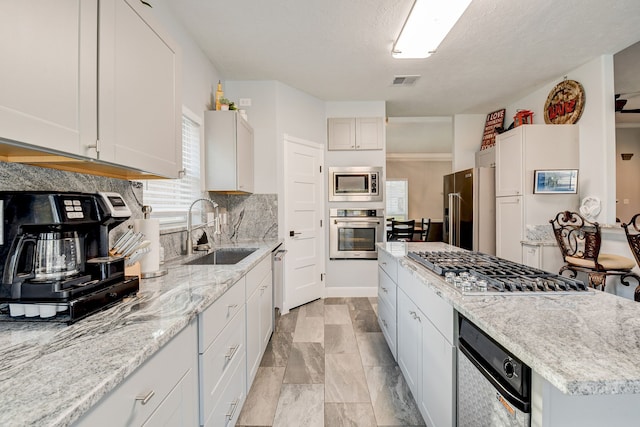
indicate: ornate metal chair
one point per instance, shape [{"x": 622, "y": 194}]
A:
[
  {"x": 633, "y": 237},
  {"x": 579, "y": 241},
  {"x": 402, "y": 230}
]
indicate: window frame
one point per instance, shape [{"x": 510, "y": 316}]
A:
[
  {"x": 177, "y": 218},
  {"x": 390, "y": 212}
]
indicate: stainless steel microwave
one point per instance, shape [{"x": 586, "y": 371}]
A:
[{"x": 355, "y": 184}]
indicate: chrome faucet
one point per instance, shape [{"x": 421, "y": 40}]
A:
[{"x": 216, "y": 221}]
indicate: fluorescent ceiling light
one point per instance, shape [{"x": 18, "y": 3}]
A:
[{"x": 427, "y": 25}]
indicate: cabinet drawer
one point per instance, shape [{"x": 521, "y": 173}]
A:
[
  {"x": 220, "y": 361},
  {"x": 437, "y": 310},
  {"x": 387, "y": 321},
  {"x": 389, "y": 264},
  {"x": 180, "y": 407},
  {"x": 386, "y": 288},
  {"x": 227, "y": 408},
  {"x": 155, "y": 378},
  {"x": 213, "y": 319},
  {"x": 257, "y": 275}
]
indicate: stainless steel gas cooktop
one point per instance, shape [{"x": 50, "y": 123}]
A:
[{"x": 475, "y": 273}]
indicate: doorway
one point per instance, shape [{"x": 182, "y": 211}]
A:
[{"x": 303, "y": 214}]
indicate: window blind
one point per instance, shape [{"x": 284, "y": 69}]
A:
[
  {"x": 397, "y": 198},
  {"x": 170, "y": 198}
]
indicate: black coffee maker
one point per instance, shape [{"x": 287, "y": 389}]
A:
[{"x": 54, "y": 255}]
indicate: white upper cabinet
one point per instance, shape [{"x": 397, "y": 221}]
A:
[
  {"x": 48, "y": 86},
  {"x": 80, "y": 71},
  {"x": 228, "y": 152},
  {"x": 140, "y": 109},
  {"x": 509, "y": 156},
  {"x": 362, "y": 133}
]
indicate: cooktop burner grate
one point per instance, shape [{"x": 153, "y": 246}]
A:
[{"x": 475, "y": 273}]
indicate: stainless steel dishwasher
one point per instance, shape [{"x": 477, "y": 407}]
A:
[
  {"x": 494, "y": 387},
  {"x": 277, "y": 268}
]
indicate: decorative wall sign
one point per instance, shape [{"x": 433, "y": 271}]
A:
[
  {"x": 565, "y": 103},
  {"x": 494, "y": 120}
]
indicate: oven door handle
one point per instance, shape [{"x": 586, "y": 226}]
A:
[{"x": 365, "y": 222}]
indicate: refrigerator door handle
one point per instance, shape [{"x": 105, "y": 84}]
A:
[
  {"x": 458, "y": 222},
  {"x": 454, "y": 219}
]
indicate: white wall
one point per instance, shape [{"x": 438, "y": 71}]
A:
[
  {"x": 199, "y": 76},
  {"x": 628, "y": 173},
  {"x": 596, "y": 128},
  {"x": 277, "y": 109},
  {"x": 467, "y": 139},
  {"x": 353, "y": 277}
]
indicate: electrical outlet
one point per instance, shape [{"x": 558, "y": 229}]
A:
[{"x": 245, "y": 102}]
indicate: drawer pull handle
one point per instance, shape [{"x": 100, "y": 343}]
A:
[
  {"x": 146, "y": 398},
  {"x": 232, "y": 352},
  {"x": 415, "y": 316},
  {"x": 232, "y": 409}
]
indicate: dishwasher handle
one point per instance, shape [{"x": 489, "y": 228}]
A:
[
  {"x": 510, "y": 396},
  {"x": 280, "y": 253}
]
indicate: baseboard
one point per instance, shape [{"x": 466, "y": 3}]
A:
[{"x": 351, "y": 292}]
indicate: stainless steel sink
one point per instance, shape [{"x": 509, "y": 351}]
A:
[{"x": 224, "y": 256}]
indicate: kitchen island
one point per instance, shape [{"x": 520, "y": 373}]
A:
[
  {"x": 582, "y": 349},
  {"x": 51, "y": 374}
]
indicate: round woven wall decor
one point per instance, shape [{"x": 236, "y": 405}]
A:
[{"x": 565, "y": 103}]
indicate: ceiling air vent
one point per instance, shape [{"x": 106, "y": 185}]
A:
[{"x": 404, "y": 80}]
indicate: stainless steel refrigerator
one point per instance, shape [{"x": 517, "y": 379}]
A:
[{"x": 470, "y": 210}]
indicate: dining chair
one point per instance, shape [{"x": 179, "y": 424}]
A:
[
  {"x": 402, "y": 230},
  {"x": 426, "y": 227},
  {"x": 579, "y": 241},
  {"x": 632, "y": 231},
  {"x": 388, "y": 226}
]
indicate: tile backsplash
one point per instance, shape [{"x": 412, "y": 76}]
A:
[{"x": 249, "y": 217}]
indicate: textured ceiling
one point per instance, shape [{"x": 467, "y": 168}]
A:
[{"x": 340, "y": 49}]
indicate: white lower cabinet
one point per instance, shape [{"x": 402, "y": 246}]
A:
[
  {"x": 259, "y": 315},
  {"x": 163, "y": 391},
  {"x": 409, "y": 341},
  {"x": 201, "y": 377},
  {"x": 222, "y": 355},
  {"x": 426, "y": 354},
  {"x": 437, "y": 386},
  {"x": 387, "y": 294}
]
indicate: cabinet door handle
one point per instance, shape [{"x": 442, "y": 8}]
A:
[
  {"x": 232, "y": 306},
  {"x": 232, "y": 351},
  {"x": 386, "y": 291},
  {"x": 384, "y": 323},
  {"x": 232, "y": 409},
  {"x": 415, "y": 316},
  {"x": 146, "y": 398}
]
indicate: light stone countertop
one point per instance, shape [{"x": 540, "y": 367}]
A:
[
  {"x": 581, "y": 344},
  {"x": 51, "y": 373}
]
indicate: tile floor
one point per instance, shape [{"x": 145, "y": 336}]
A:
[{"x": 328, "y": 364}]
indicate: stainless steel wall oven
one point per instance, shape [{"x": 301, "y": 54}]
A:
[{"x": 353, "y": 233}]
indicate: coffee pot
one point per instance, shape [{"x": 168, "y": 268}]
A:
[{"x": 57, "y": 256}]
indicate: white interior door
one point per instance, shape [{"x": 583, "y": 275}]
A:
[{"x": 304, "y": 236}]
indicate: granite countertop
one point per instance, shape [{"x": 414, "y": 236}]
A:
[
  {"x": 582, "y": 344},
  {"x": 51, "y": 373}
]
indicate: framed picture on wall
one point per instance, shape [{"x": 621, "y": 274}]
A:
[{"x": 555, "y": 181}]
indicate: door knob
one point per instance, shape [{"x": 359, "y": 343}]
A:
[{"x": 293, "y": 233}]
